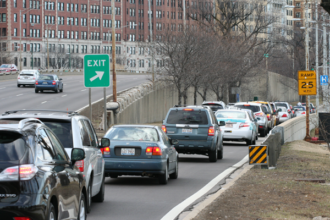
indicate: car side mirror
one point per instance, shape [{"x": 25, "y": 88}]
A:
[
  {"x": 77, "y": 154},
  {"x": 222, "y": 123},
  {"x": 60, "y": 78},
  {"x": 174, "y": 142},
  {"x": 255, "y": 120},
  {"x": 105, "y": 142}
]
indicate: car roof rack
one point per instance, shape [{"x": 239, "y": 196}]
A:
[
  {"x": 70, "y": 113},
  {"x": 23, "y": 122}
]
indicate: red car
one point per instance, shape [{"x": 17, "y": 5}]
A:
[{"x": 8, "y": 68}]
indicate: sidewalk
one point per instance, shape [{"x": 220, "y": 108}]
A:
[{"x": 276, "y": 194}]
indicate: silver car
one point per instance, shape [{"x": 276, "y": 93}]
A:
[
  {"x": 27, "y": 77},
  {"x": 299, "y": 110},
  {"x": 283, "y": 114},
  {"x": 257, "y": 110}
]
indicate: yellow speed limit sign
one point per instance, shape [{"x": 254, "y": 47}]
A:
[{"x": 306, "y": 82}]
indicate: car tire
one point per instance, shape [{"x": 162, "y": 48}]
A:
[
  {"x": 36, "y": 91},
  {"x": 23, "y": 85},
  {"x": 89, "y": 196},
  {"x": 114, "y": 176},
  {"x": 41, "y": 90},
  {"x": 262, "y": 133},
  {"x": 57, "y": 90},
  {"x": 220, "y": 152},
  {"x": 18, "y": 85},
  {"x": 52, "y": 215},
  {"x": 213, "y": 155},
  {"x": 163, "y": 178},
  {"x": 249, "y": 142},
  {"x": 100, "y": 196},
  {"x": 82, "y": 208},
  {"x": 61, "y": 90},
  {"x": 176, "y": 172}
]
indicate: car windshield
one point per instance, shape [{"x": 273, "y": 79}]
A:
[
  {"x": 12, "y": 146},
  {"x": 281, "y": 105},
  {"x": 5, "y": 66},
  {"x": 187, "y": 117},
  {"x": 214, "y": 107},
  {"x": 231, "y": 114},
  {"x": 133, "y": 134},
  {"x": 26, "y": 74},
  {"x": 254, "y": 108},
  {"x": 299, "y": 108},
  {"x": 43, "y": 77},
  {"x": 62, "y": 130}
]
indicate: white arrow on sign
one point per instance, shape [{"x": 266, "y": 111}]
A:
[{"x": 99, "y": 74}]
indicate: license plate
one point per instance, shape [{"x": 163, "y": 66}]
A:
[
  {"x": 229, "y": 125},
  {"x": 186, "y": 130},
  {"x": 45, "y": 83},
  {"x": 128, "y": 151}
]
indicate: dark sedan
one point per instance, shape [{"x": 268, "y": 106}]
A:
[
  {"x": 140, "y": 150},
  {"x": 49, "y": 82}
]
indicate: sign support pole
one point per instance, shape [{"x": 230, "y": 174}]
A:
[
  {"x": 105, "y": 110},
  {"x": 90, "y": 104},
  {"x": 307, "y": 137}
]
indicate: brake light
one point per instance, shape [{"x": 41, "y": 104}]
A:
[
  {"x": 164, "y": 128},
  {"x": 188, "y": 109},
  {"x": 22, "y": 218},
  {"x": 34, "y": 78},
  {"x": 156, "y": 151},
  {"x": 211, "y": 131},
  {"x": 54, "y": 83},
  {"x": 18, "y": 77},
  {"x": 246, "y": 105},
  {"x": 80, "y": 165},
  {"x": 25, "y": 172},
  {"x": 284, "y": 115},
  {"x": 244, "y": 125},
  {"x": 268, "y": 117},
  {"x": 289, "y": 111},
  {"x": 105, "y": 151},
  {"x": 259, "y": 114},
  {"x": 303, "y": 113},
  {"x": 37, "y": 83},
  {"x": 260, "y": 126},
  {"x": 149, "y": 151}
]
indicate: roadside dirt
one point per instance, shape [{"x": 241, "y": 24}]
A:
[{"x": 263, "y": 194}]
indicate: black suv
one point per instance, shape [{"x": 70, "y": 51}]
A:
[
  {"x": 37, "y": 178},
  {"x": 196, "y": 129}
]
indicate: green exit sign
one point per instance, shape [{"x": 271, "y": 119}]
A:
[{"x": 97, "y": 70}]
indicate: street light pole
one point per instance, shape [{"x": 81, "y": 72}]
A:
[
  {"x": 20, "y": 40},
  {"x": 307, "y": 137},
  {"x": 114, "y": 77},
  {"x": 317, "y": 66},
  {"x": 324, "y": 53},
  {"x": 151, "y": 42}
]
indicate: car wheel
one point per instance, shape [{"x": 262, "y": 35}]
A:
[
  {"x": 61, "y": 90},
  {"x": 176, "y": 173},
  {"x": 82, "y": 208},
  {"x": 36, "y": 91},
  {"x": 113, "y": 176},
  {"x": 163, "y": 178},
  {"x": 249, "y": 142},
  {"x": 220, "y": 152},
  {"x": 213, "y": 155},
  {"x": 262, "y": 133},
  {"x": 89, "y": 196},
  {"x": 57, "y": 90},
  {"x": 41, "y": 90},
  {"x": 18, "y": 85},
  {"x": 52, "y": 215},
  {"x": 23, "y": 85},
  {"x": 100, "y": 196}
]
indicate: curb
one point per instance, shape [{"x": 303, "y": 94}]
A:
[{"x": 199, "y": 207}]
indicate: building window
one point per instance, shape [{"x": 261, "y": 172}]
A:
[
  {"x": 24, "y": 61},
  {"x": 24, "y": 47},
  {"x": 15, "y": 3},
  {"x": 15, "y": 32}
]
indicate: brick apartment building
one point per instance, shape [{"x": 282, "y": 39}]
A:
[{"x": 73, "y": 28}]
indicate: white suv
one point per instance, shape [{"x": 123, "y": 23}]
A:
[
  {"x": 27, "y": 77},
  {"x": 74, "y": 131}
]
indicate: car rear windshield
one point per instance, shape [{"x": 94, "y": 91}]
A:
[
  {"x": 187, "y": 117},
  {"x": 5, "y": 66},
  {"x": 133, "y": 134},
  {"x": 231, "y": 114},
  {"x": 26, "y": 74},
  {"x": 254, "y": 108},
  {"x": 46, "y": 78},
  {"x": 214, "y": 107},
  {"x": 299, "y": 108},
  {"x": 62, "y": 129},
  {"x": 12, "y": 146},
  {"x": 281, "y": 105}
]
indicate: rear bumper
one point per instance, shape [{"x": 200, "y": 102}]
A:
[
  {"x": 237, "y": 135},
  {"x": 134, "y": 166},
  {"x": 26, "y": 82},
  {"x": 46, "y": 87},
  {"x": 282, "y": 119}
]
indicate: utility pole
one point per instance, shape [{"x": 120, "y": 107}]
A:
[
  {"x": 317, "y": 65},
  {"x": 184, "y": 15},
  {"x": 325, "y": 91},
  {"x": 152, "y": 46},
  {"x": 47, "y": 53},
  {"x": 307, "y": 137},
  {"x": 114, "y": 77},
  {"x": 20, "y": 40}
]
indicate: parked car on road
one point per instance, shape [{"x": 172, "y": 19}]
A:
[
  {"x": 300, "y": 110},
  {"x": 8, "y": 68},
  {"x": 38, "y": 180},
  {"x": 196, "y": 129},
  {"x": 140, "y": 150},
  {"x": 259, "y": 114},
  {"x": 74, "y": 131},
  {"x": 283, "y": 113},
  {"x": 239, "y": 126},
  {"x": 214, "y": 105},
  {"x": 27, "y": 77},
  {"x": 49, "y": 82},
  {"x": 287, "y": 106}
]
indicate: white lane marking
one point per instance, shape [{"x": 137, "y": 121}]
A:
[
  {"x": 19, "y": 94},
  {"x": 2, "y": 87},
  {"x": 83, "y": 90},
  {"x": 44, "y": 102},
  {"x": 180, "y": 207},
  {"x": 64, "y": 95}
]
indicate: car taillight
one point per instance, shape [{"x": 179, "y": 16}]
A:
[
  {"x": 303, "y": 113},
  {"x": 22, "y": 218},
  {"x": 211, "y": 131},
  {"x": 154, "y": 151},
  {"x": 18, "y": 77},
  {"x": 34, "y": 78},
  {"x": 260, "y": 126},
  {"x": 24, "y": 172},
  {"x": 54, "y": 83},
  {"x": 289, "y": 111},
  {"x": 284, "y": 115},
  {"x": 268, "y": 117},
  {"x": 80, "y": 165},
  {"x": 188, "y": 109},
  {"x": 246, "y": 105},
  {"x": 105, "y": 151},
  {"x": 259, "y": 114},
  {"x": 244, "y": 125},
  {"x": 164, "y": 128},
  {"x": 37, "y": 82}
]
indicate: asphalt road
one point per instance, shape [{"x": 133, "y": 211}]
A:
[
  {"x": 142, "y": 198},
  {"x": 74, "y": 96}
]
